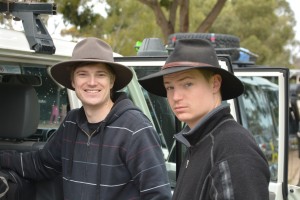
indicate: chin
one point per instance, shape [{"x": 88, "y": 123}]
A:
[
  {"x": 183, "y": 118},
  {"x": 90, "y": 103}
]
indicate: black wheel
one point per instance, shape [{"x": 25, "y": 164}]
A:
[{"x": 223, "y": 43}]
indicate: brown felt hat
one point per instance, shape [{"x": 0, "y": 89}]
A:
[
  {"x": 91, "y": 50},
  {"x": 193, "y": 54}
]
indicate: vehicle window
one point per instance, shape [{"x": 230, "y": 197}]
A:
[
  {"x": 259, "y": 114},
  {"x": 294, "y": 136},
  {"x": 294, "y": 159},
  {"x": 53, "y": 99},
  {"x": 164, "y": 121},
  {"x": 161, "y": 112}
]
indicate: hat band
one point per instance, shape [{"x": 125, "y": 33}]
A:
[{"x": 184, "y": 63}]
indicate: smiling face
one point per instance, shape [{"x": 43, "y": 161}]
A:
[
  {"x": 93, "y": 83},
  {"x": 192, "y": 94}
]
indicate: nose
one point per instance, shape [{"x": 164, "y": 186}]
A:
[
  {"x": 176, "y": 94},
  {"x": 92, "y": 80}
]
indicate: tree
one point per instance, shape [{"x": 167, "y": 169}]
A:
[
  {"x": 168, "y": 24},
  {"x": 126, "y": 22},
  {"x": 127, "y": 18},
  {"x": 264, "y": 27}
]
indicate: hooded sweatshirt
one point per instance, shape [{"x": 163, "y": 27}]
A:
[
  {"x": 222, "y": 162},
  {"x": 121, "y": 159}
]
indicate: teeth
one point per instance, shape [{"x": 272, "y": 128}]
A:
[{"x": 92, "y": 91}]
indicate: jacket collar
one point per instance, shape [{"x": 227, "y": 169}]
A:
[
  {"x": 121, "y": 104},
  {"x": 189, "y": 137}
]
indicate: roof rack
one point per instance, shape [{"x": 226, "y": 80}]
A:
[{"x": 36, "y": 33}]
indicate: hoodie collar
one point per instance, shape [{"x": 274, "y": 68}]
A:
[
  {"x": 121, "y": 104},
  {"x": 190, "y": 137}
]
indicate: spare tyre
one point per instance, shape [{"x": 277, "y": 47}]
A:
[{"x": 223, "y": 43}]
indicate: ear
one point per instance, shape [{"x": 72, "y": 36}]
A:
[
  {"x": 217, "y": 81},
  {"x": 72, "y": 82},
  {"x": 112, "y": 81}
]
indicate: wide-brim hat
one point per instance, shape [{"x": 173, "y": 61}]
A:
[
  {"x": 193, "y": 54},
  {"x": 91, "y": 50}
]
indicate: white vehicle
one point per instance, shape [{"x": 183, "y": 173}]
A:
[{"x": 263, "y": 109}]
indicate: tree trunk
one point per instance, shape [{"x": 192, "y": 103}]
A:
[
  {"x": 184, "y": 16},
  {"x": 165, "y": 25},
  {"x": 173, "y": 12},
  {"x": 211, "y": 17}
]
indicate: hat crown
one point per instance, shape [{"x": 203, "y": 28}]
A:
[
  {"x": 194, "y": 50},
  {"x": 92, "y": 48}
]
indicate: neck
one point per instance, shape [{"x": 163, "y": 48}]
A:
[
  {"x": 95, "y": 114},
  {"x": 217, "y": 102}
]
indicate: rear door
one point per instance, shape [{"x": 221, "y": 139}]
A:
[{"x": 264, "y": 110}]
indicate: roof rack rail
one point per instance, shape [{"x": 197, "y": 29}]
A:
[{"x": 36, "y": 33}]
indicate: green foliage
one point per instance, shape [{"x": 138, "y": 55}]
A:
[
  {"x": 129, "y": 22},
  {"x": 165, "y": 3},
  {"x": 264, "y": 27},
  {"x": 83, "y": 19}
]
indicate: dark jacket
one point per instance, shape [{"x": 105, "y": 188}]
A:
[
  {"x": 223, "y": 161},
  {"x": 121, "y": 160}
]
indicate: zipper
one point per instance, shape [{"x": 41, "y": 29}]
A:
[
  {"x": 89, "y": 136},
  {"x": 182, "y": 175},
  {"x": 188, "y": 158},
  {"x": 89, "y": 140},
  {"x": 187, "y": 163},
  {"x": 87, "y": 153}
]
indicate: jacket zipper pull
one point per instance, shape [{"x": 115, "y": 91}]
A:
[
  {"x": 187, "y": 163},
  {"x": 188, "y": 158},
  {"x": 89, "y": 141}
]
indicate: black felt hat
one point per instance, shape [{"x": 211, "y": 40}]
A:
[{"x": 193, "y": 54}]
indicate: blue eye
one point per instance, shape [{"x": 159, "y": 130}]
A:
[
  {"x": 81, "y": 74},
  {"x": 169, "y": 88},
  {"x": 101, "y": 74},
  {"x": 188, "y": 84}
]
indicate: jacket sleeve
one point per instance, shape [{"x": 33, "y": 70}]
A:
[
  {"x": 36, "y": 165},
  {"x": 240, "y": 177},
  {"x": 146, "y": 163}
]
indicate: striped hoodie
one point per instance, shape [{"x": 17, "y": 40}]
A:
[{"x": 121, "y": 160}]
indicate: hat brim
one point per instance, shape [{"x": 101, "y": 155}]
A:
[
  {"x": 231, "y": 86},
  {"x": 61, "y": 72}
]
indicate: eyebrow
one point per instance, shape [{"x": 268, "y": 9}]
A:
[
  {"x": 84, "y": 70},
  {"x": 182, "y": 79}
]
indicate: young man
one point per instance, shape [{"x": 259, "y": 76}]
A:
[
  {"x": 108, "y": 148},
  {"x": 223, "y": 160}
]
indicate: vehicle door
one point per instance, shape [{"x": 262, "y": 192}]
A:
[{"x": 264, "y": 110}]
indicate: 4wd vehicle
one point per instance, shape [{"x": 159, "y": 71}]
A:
[{"x": 34, "y": 105}]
